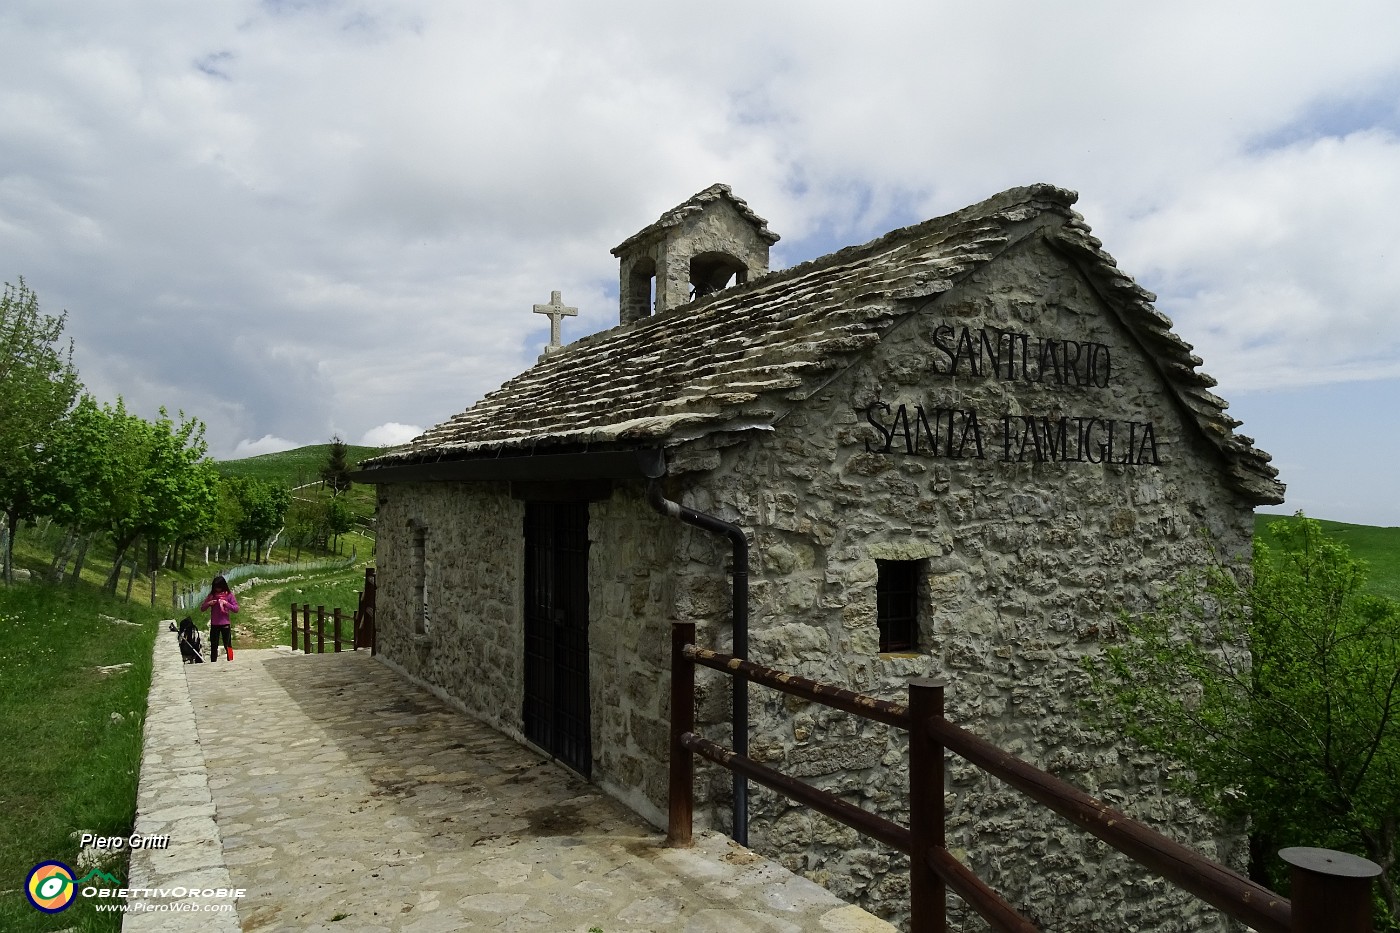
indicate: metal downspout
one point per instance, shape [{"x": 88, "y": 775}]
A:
[{"x": 735, "y": 534}]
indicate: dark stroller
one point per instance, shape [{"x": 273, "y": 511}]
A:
[{"x": 189, "y": 641}]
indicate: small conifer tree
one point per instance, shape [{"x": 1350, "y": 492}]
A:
[{"x": 336, "y": 472}]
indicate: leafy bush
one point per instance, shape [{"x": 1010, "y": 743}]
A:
[{"x": 1282, "y": 697}]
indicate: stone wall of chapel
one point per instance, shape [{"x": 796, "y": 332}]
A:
[
  {"x": 631, "y": 588},
  {"x": 1027, "y": 566},
  {"x": 473, "y": 650}
]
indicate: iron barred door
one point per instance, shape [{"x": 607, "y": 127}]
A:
[{"x": 556, "y": 713}]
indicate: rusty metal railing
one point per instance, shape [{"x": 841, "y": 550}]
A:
[{"x": 1331, "y": 889}]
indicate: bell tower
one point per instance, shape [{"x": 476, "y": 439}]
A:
[{"x": 708, "y": 243}]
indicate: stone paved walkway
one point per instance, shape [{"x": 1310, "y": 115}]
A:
[{"x": 342, "y": 797}]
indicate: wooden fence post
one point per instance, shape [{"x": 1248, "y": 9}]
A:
[
  {"x": 928, "y": 898},
  {"x": 681, "y": 799},
  {"x": 294, "y": 626},
  {"x": 335, "y": 631},
  {"x": 1331, "y": 891},
  {"x": 320, "y": 629},
  {"x": 305, "y": 628}
]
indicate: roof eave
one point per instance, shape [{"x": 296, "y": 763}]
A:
[{"x": 639, "y": 463}]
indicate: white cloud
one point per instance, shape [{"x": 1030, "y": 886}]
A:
[
  {"x": 1280, "y": 265},
  {"x": 390, "y": 434},
  {"x": 267, "y": 444}
]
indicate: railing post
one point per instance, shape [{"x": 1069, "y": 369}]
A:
[
  {"x": 305, "y": 628},
  {"x": 357, "y": 619},
  {"x": 928, "y": 899},
  {"x": 335, "y": 631},
  {"x": 294, "y": 626},
  {"x": 1331, "y": 891},
  {"x": 320, "y": 629},
  {"x": 681, "y": 799},
  {"x": 368, "y": 614}
]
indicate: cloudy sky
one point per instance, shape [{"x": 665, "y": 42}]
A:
[{"x": 300, "y": 218}]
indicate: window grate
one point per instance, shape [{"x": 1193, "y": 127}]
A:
[{"x": 897, "y": 604}]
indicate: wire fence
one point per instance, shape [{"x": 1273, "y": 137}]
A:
[{"x": 253, "y": 574}]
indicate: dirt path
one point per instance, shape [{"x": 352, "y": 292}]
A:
[{"x": 261, "y": 617}]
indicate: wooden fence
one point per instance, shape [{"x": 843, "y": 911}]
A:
[
  {"x": 362, "y": 629},
  {"x": 1331, "y": 890}
]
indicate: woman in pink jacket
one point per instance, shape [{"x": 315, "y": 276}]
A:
[{"x": 220, "y": 603}]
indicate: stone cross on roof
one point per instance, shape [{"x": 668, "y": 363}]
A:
[{"x": 556, "y": 311}]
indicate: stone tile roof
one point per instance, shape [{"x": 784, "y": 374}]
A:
[
  {"x": 694, "y": 205},
  {"x": 736, "y": 359}
]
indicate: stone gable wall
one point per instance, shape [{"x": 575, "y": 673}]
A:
[{"x": 1027, "y": 564}]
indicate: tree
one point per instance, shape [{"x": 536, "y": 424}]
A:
[
  {"x": 182, "y": 484},
  {"x": 72, "y": 477},
  {"x": 1281, "y": 695},
  {"x": 37, "y": 386},
  {"x": 336, "y": 472},
  {"x": 121, "y": 478},
  {"x": 339, "y": 520},
  {"x": 155, "y": 481},
  {"x": 228, "y": 515},
  {"x": 264, "y": 506},
  {"x": 306, "y": 523}
]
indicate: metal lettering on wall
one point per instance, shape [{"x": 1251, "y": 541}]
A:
[
  {"x": 965, "y": 434},
  {"x": 1015, "y": 356}
]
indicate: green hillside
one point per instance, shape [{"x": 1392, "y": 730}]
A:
[
  {"x": 1379, "y": 547},
  {"x": 300, "y": 469},
  {"x": 293, "y": 467}
]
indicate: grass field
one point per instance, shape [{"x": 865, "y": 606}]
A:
[
  {"x": 72, "y": 736},
  {"x": 267, "y": 608},
  {"x": 1379, "y": 547}
]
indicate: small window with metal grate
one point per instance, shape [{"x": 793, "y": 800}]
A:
[{"x": 897, "y": 604}]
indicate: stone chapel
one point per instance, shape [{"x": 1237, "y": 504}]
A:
[{"x": 960, "y": 450}]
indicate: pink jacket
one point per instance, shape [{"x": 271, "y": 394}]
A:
[{"x": 219, "y": 606}]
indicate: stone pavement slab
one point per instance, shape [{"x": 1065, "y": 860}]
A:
[{"x": 342, "y": 797}]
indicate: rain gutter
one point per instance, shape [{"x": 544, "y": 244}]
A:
[{"x": 740, "y": 609}]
